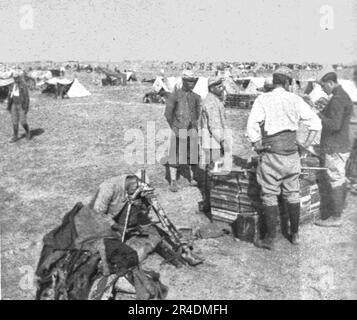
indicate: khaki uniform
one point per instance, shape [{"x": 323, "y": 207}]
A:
[{"x": 275, "y": 118}]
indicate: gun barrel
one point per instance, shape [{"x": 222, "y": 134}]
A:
[{"x": 314, "y": 168}]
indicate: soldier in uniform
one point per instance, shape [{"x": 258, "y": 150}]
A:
[
  {"x": 182, "y": 112},
  {"x": 335, "y": 147},
  {"x": 272, "y": 126}
]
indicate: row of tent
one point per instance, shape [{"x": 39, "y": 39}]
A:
[
  {"x": 247, "y": 85},
  {"x": 74, "y": 89}
]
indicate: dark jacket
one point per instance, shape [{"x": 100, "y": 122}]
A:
[
  {"x": 335, "y": 120},
  {"x": 23, "y": 99},
  {"x": 182, "y": 110}
]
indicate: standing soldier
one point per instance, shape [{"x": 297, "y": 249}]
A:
[
  {"x": 335, "y": 147},
  {"x": 182, "y": 112},
  {"x": 213, "y": 126},
  {"x": 18, "y": 105},
  {"x": 272, "y": 126}
]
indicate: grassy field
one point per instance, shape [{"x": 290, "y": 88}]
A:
[{"x": 80, "y": 142}]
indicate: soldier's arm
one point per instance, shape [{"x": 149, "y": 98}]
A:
[
  {"x": 334, "y": 121},
  {"x": 310, "y": 119},
  {"x": 256, "y": 116},
  {"x": 9, "y": 99},
  {"x": 170, "y": 108},
  {"x": 103, "y": 198}
]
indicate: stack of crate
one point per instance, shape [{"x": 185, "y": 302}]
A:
[
  {"x": 240, "y": 101},
  {"x": 235, "y": 199},
  {"x": 309, "y": 191}
]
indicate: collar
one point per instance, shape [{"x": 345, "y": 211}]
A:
[
  {"x": 278, "y": 89},
  {"x": 336, "y": 89}
]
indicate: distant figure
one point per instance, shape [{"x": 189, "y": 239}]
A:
[{"x": 18, "y": 106}]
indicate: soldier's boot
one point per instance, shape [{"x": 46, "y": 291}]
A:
[
  {"x": 284, "y": 220},
  {"x": 345, "y": 193},
  {"x": 337, "y": 197},
  {"x": 270, "y": 217},
  {"x": 206, "y": 193},
  {"x": 14, "y": 137},
  {"x": 27, "y": 130},
  {"x": 294, "y": 216}
]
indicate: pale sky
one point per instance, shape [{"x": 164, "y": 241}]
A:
[{"x": 214, "y": 30}]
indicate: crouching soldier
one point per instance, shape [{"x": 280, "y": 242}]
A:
[
  {"x": 124, "y": 202},
  {"x": 18, "y": 106},
  {"x": 110, "y": 202},
  {"x": 272, "y": 127}
]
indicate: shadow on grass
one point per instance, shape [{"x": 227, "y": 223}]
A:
[{"x": 34, "y": 133}]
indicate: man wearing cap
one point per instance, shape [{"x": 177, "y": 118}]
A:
[
  {"x": 335, "y": 146},
  {"x": 182, "y": 112},
  {"x": 18, "y": 106},
  {"x": 272, "y": 126},
  {"x": 212, "y": 125}
]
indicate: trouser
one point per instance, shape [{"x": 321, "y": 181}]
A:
[
  {"x": 145, "y": 242},
  {"x": 183, "y": 150},
  {"x": 353, "y": 133},
  {"x": 334, "y": 191},
  {"x": 279, "y": 174},
  {"x": 18, "y": 115}
]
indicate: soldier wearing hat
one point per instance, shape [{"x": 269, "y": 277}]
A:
[
  {"x": 18, "y": 105},
  {"x": 213, "y": 126},
  {"x": 182, "y": 112},
  {"x": 272, "y": 126},
  {"x": 335, "y": 147}
]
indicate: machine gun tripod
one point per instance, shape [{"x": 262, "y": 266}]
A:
[{"x": 173, "y": 248}]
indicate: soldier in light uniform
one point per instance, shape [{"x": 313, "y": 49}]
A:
[{"x": 272, "y": 126}]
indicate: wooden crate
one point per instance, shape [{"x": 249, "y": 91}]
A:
[{"x": 240, "y": 101}]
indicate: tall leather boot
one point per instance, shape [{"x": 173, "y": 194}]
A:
[
  {"x": 338, "y": 196},
  {"x": 337, "y": 202},
  {"x": 27, "y": 130},
  {"x": 294, "y": 216},
  {"x": 15, "y": 129},
  {"x": 270, "y": 217},
  {"x": 284, "y": 219},
  {"x": 206, "y": 192},
  {"x": 345, "y": 193}
]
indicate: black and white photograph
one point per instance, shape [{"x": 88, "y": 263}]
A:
[{"x": 178, "y": 150}]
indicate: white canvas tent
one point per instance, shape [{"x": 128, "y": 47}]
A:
[
  {"x": 6, "y": 82},
  {"x": 317, "y": 93},
  {"x": 77, "y": 90},
  {"x": 350, "y": 88},
  {"x": 230, "y": 86},
  {"x": 171, "y": 83}
]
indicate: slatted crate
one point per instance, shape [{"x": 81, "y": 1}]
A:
[
  {"x": 235, "y": 199},
  {"x": 240, "y": 101}
]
